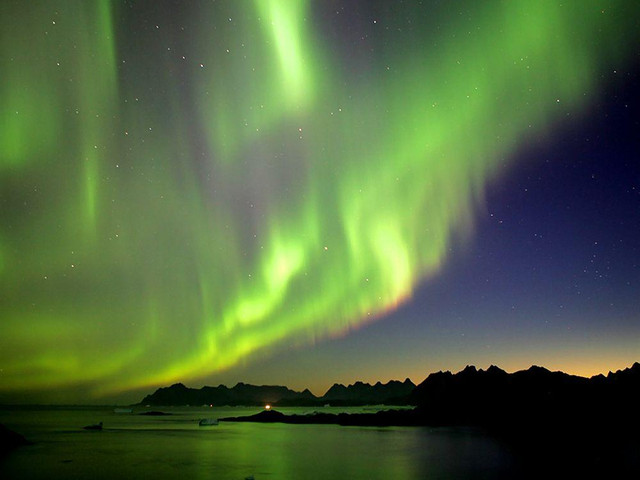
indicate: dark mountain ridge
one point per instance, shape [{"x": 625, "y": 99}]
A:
[
  {"x": 493, "y": 396},
  {"x": 240, "y": 394},
  {"x": 392, "y": 393},
  {"x": 467, "y": 397}
]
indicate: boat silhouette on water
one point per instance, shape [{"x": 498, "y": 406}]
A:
[{"x": 95, "y": 426}]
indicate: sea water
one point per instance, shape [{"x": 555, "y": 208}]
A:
[{"x": 175, "y": 446}]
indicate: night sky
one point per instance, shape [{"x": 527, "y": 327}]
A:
[{"x": 302, "y": 193}]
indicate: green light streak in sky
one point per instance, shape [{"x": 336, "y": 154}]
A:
[
  {"x": 163, "y": 220},
  {"x": 259, "y": 70},
  {"x": 286, "y": 24}
]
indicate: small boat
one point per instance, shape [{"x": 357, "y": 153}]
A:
[
  {"x": 97, "y": 426},
  {"x": 206, "y": 422}
]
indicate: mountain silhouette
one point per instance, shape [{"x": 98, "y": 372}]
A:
[
  {"x": 359, "y": 393},
  {"x": 391, "y": 393},
  {"x": 240, "y": 394},
  {"x": 494, "y": 397}
]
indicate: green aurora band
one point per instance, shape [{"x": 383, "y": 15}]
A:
[{"x": 175, "y": 206}]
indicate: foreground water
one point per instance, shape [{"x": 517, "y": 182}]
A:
[{"x": 164, "y": 447}]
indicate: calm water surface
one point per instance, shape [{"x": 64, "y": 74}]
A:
[{"x": 135, "y": 446}]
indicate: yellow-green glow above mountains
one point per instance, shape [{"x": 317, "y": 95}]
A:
[{"x": 177, "y": 197}]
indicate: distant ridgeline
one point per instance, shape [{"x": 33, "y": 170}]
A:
[
  {"x": 467, "y": 397},
  {"x": 391, "y": 393}
]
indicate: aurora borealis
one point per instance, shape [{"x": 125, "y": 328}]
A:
[{"x": 189, "y": 188}]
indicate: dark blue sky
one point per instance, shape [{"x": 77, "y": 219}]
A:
[{"x": 550, "y": 276}]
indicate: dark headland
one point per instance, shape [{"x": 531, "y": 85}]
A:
[
  {"x": 499, "y": 400},
  {"x": 10, "y": 440},
  {"x": 558, "y": 425}
]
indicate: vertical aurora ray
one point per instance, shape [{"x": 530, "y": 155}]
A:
[
  {"x": 230, "y": 186},
  {"x": 258, "y": 70},
  {"x": 97, "y": 98},
  {"x": 27, "y": 100}
]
